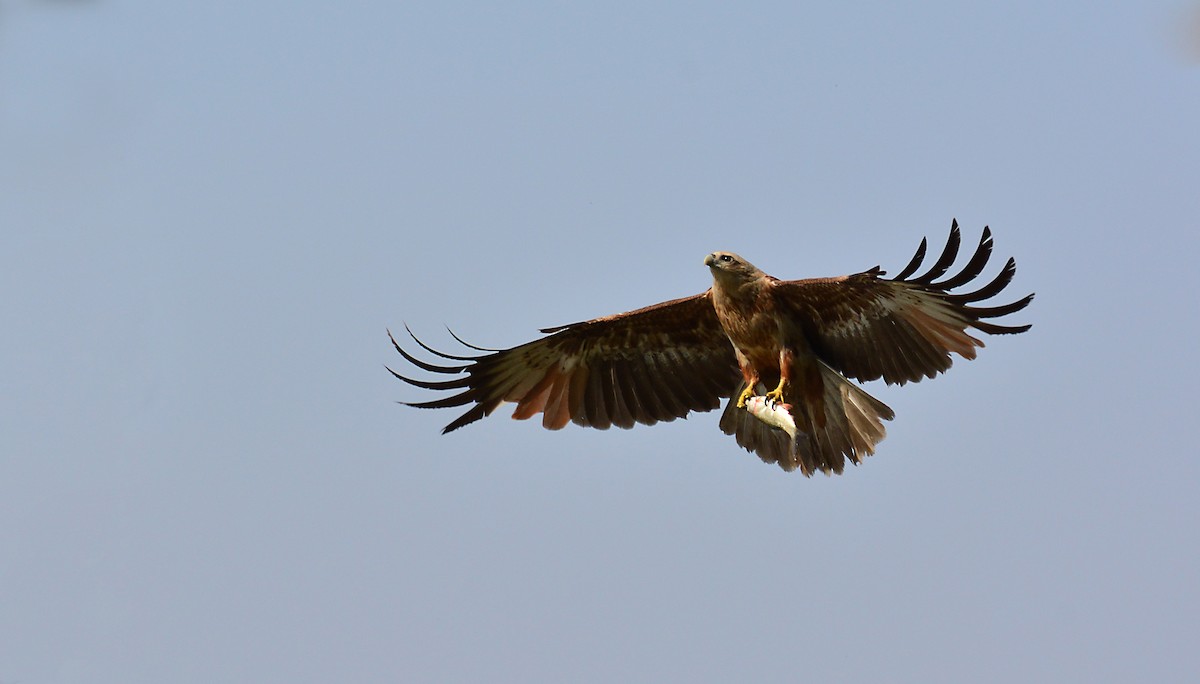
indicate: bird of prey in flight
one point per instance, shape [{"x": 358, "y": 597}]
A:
[{"x": 782, "y": 352}]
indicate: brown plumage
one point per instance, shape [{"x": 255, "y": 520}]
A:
[{"x": 797, "y": 341}]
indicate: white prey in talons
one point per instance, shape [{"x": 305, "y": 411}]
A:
[{"x": 772, "y": 413}]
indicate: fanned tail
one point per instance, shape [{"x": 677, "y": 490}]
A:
[{"x": 840, "y": 421}]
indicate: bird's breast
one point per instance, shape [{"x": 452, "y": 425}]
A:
[{"x": 752, "y": 328}]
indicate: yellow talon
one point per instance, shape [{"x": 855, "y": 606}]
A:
[
  {"x": 746, "y": 394},
  {"x": 776, "y": 395}
]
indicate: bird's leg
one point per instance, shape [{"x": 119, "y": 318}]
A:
[
  {"x": 775, "y": 396},
  {"x": 751, "y": 378},
  {"x": 746, "y": 394},
  {"x": 785, "y": 366}
]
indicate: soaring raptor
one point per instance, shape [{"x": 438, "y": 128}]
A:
[{"x": 748, "y": 336}]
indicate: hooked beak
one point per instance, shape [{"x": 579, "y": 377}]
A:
[{"x": 710, "y": 259}]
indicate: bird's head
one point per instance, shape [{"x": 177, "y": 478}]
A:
[{"x": 727, "y": 267}]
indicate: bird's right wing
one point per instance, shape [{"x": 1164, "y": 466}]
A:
[{"x": 654, "y": 364}]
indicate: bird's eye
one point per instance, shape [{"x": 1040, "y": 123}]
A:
[{"x": 726, "y": 258}]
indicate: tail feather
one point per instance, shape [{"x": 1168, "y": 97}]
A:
[{"x": 838, "y": 423}]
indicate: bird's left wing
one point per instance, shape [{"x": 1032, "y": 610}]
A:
[
  {"x": 903, "y": 328},
  {"x": 643, "y": 366}
]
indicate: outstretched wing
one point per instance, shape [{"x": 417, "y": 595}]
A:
[
  {"x": 901, "y": 329},
  {"x": 656, "y": 363}
]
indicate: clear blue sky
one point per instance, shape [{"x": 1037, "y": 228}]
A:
[{"x": 211, "y": 212}]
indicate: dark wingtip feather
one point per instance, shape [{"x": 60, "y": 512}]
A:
[
  {"x": 949, "y": 254},
  {"x": 994, "y": 329},
  {"x": 431, "y": 350},
  {"x": 468, "y": 344},
  {"x": 974, "y": 267},
  {"x": 1004, "y": 310},
  {"x": 424, "y": 365},
  {"x": 460, "y": 399},
  {"x": 1001, "y": 281},
  {"x": 457, "y": 383},
  {"x": 915, "y": 262},
  {"x": 477, "y": 412}
]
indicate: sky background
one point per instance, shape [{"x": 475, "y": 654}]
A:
[{"x": 210, "y": 213}]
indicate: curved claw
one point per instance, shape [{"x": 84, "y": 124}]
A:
[{"x": 745, "y": 396}]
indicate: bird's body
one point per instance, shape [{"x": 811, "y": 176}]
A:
[
  {"x": 743, "y": 302},
  {"x": 791, "y": 343}
]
